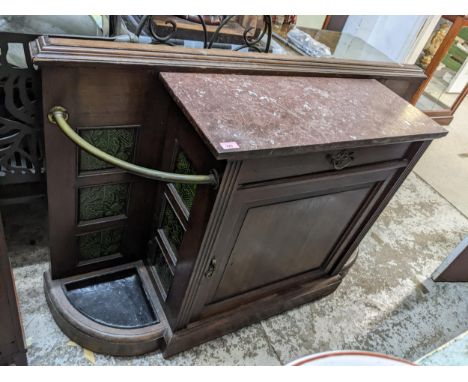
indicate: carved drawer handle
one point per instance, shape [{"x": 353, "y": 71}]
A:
[
  {"x": 341, "y": 159},
  {"x": 58, "y": 115}
]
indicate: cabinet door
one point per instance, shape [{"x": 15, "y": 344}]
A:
[{"x": 284, "y": 232}]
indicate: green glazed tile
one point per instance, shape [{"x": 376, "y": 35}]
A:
[
  {"x": 160, "y": 266},
  {"x": 102, "y": 201},
  {"x": 99, "y": 244},
  {"x": 172, "y": 227},
  {"x": 186, "y": 191},
  {"x": 117, "y": 142}
]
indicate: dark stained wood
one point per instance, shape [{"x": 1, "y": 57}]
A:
[
  {"x": 60, "y": 176},
  {"x": 167, "y": 58},
  {"x": 101, "y": 338},
  {"x": 455, "y": 267},
  {"x": 248, "y": 310},
  {"x": 414, "y": 153},
  {"x": 21, "y": 193},
  {"x": 329, "y": 187},
  {"x": 264, "y": 306},
  {"x": 117, "y": 221},
  {"x": 203, "y": 259},
  {"x": 148, "y": 153},
  {"x": 261, "y": 169},
  {"x": 244, "y": 314},
  {"x": 116, "y": 99},
  {"x": 293, "y": 203},
  {"x": 211, "y": 328},
  {"x": 282, "y": 228},
  {"x": 54, "y": 50},
  {"x": 180, "y": 135},
  {"x": 335, "y": 22},
  {"x": 223, "y": 293},
  {"x": 256, "y": 113},
  {"x": 12, "y": 347}
]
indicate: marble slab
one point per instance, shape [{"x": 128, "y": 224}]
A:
[{"x": 244, "y": 116}]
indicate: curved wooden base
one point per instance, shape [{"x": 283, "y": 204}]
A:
[
  {"x": 98, "y": 337},
  {"x": 131, "y": 342},
  {"x": 212, "y": 327}
]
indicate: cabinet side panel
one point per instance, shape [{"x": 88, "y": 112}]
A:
[
  {"x": 99, "y": 215},
  {"x": 193, "y": 300},
  {"x": 61, "y": 173}
]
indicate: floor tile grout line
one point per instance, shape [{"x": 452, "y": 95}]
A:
[
  {"x": 438, "y": 193},
  {"x": 270, "y": 345}
]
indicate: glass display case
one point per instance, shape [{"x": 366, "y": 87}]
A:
[
  {"x": 340, "y": 45},
  {"x": 444, "y": 60},
  {"x": 449, "y": 78},
  {"x": 252, "y": 33}
]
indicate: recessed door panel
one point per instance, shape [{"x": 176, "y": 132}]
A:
[
  {"x": 285, "y": 239},
  {"x": 287, "y": 231}
]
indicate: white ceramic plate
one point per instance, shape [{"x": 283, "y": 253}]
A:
[{"x": 350, "y": 358}]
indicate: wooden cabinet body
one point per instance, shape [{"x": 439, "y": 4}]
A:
[
  {"x": 280, "y": 232},
  {"x": 305, "y": 166},
  {"x": 289, "y": 229}
]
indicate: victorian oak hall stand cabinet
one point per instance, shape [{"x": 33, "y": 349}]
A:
[{"x": 268, "y": 176}]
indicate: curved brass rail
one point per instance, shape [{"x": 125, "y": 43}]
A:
[{"x": 58, "y": 115}]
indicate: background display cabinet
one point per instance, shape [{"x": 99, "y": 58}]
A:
[
  {"x": 193, "y": 194},
  {"x": 444, "y": 60}
]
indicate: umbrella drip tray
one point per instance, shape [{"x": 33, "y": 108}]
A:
[
  {"x": 117, "y": 300},
  {"x": 114, "y": 310}
]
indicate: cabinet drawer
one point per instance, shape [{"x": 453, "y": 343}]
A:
[{"x": 333, "y": 160}]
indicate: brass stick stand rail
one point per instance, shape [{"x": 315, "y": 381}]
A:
[{"x": 58, "y": 115}]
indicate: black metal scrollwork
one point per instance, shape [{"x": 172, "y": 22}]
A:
[
  {"x": 21, "y": 146},
  {"x": 252, "y": 43},
  {"x": 166, "y": 38},
  {"x": 341, "y": 159}
]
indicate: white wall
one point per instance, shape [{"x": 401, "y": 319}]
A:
[
  {"x": 422, "y": 38},
  {"x": 395, "y": 36},
  {"x": 460, "y": 79},
  {"x": 310, "y": 21}
]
